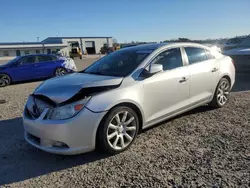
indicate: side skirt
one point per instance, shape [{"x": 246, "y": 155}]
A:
[{"x": 173, "y": 114}]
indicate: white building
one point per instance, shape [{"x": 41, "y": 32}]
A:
[{"x": 91, "y": 45}]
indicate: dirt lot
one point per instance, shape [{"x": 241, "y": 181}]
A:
[{"x": 202, "y": 148}]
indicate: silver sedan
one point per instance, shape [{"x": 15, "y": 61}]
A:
[{"x": 106, "y": 104}]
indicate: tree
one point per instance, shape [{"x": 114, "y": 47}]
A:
[
  {"x": 183, "y": 39},
  {"x": 115, "y": 41}
]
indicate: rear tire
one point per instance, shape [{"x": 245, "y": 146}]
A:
[
  {"x": 4, "y": 80},
  {"x": 60, "y": 72},
  {"x": 118, "y": 130},
  {"x": 221, "y": 94}
]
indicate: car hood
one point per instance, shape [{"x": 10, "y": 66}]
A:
[
  {"x": 63, "y": 88},
  {"x": 3, "y": 66}
]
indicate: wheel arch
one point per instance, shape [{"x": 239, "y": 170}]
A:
[
  {"x": 59, "y": 67},
  {"x": 222, "y": 76},
  {"x": 135, "y": 108},
  {"x": 131, "y": 105},
  {"x": 227, "y": 77},
  {"x": 7, "y": 75}
]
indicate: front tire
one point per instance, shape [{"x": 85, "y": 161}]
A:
[
  {"x": 221, "y": 94},
  {"x": 118, "y": 130},
  {"x": 4, "y": 80}
]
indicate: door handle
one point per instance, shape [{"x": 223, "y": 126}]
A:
[
  {"x": 184, "y": 79},
  {"x": 214, "y": 70}
]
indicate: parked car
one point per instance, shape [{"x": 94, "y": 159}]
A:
[
  {"x": 241, "y": 55},
  {"x": 232, "y": 43},
  {"x": 37, "y": 66},
  {"x": 131, "y": 89}
]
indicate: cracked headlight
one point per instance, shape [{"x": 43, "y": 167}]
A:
[{"x": 67, "y": 111}]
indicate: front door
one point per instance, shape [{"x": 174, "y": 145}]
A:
[
  {"x": 204, "y": 74},
  {"x": 167, "y": 92},
  {"x": 24, "y": 69}
]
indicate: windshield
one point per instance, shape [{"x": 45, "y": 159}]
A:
[{"x": 119, "y": 63}]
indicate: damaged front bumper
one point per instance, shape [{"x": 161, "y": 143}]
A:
[{"x": 67, "y": 137}]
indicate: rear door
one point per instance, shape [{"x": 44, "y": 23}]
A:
[
  {"x": 45, "y": 65},
  {"x": 24, "y": 69},
  {"x": 204, "y": 72}
]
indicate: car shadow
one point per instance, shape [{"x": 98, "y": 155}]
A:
[{"x": 20, "y": 161}]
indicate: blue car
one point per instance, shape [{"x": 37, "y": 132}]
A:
[{"x": 36, "y": 66}]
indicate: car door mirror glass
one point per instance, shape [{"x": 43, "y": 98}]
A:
[{"x": 154, "y": 68}]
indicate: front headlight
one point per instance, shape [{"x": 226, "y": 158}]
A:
[{"x": 67, "y": 111}]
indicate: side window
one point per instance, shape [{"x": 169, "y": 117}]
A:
[
  {"x": 54, "y": 58},
  {"x": 169, "y": 59},
  {"x": 27, "y": 60},
  {"x": 44, "y": 58},
  {"x": 195, "y": 55},
  {"x": 209, "y": 55}
]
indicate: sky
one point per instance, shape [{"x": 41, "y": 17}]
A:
[{"x": 125, "y": 20}]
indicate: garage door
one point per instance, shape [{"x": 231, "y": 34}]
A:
[{"x": 89, "y": 44}]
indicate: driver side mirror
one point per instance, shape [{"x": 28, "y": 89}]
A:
[{"x": 154, "y": 68}]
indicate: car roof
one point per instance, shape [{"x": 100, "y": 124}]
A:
[
  {"x": 38, "y": 54},
  {"x": 151, "y": 46},
  {"x": 154, "y": 46}
]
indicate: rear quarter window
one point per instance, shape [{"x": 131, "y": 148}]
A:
[{"x": 44, "y": 58}]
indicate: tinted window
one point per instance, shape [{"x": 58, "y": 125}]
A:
[
  {"x": 27, "y": 60},
  {"x": 44, "y": 58},
  {"x": 169, "y": 59},
  {"x": 195, "y": 55},
  {"x": 118, "y": 63}
]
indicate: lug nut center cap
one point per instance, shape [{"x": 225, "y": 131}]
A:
[{"x": 120, "y": 129}]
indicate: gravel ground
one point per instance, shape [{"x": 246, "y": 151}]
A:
[{"x": 202, "y": 148}]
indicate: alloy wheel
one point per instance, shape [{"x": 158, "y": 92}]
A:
[
  {"x": 223, "y": 92},
  {"x": 121, "y": 130},
  {"x": 4, "y": 80},
  {"x": 60, "y": 72}
]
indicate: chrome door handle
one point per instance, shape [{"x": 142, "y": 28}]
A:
[
  {"x": 214, "y": 70},
  {"x": 184, "y": 79}
]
